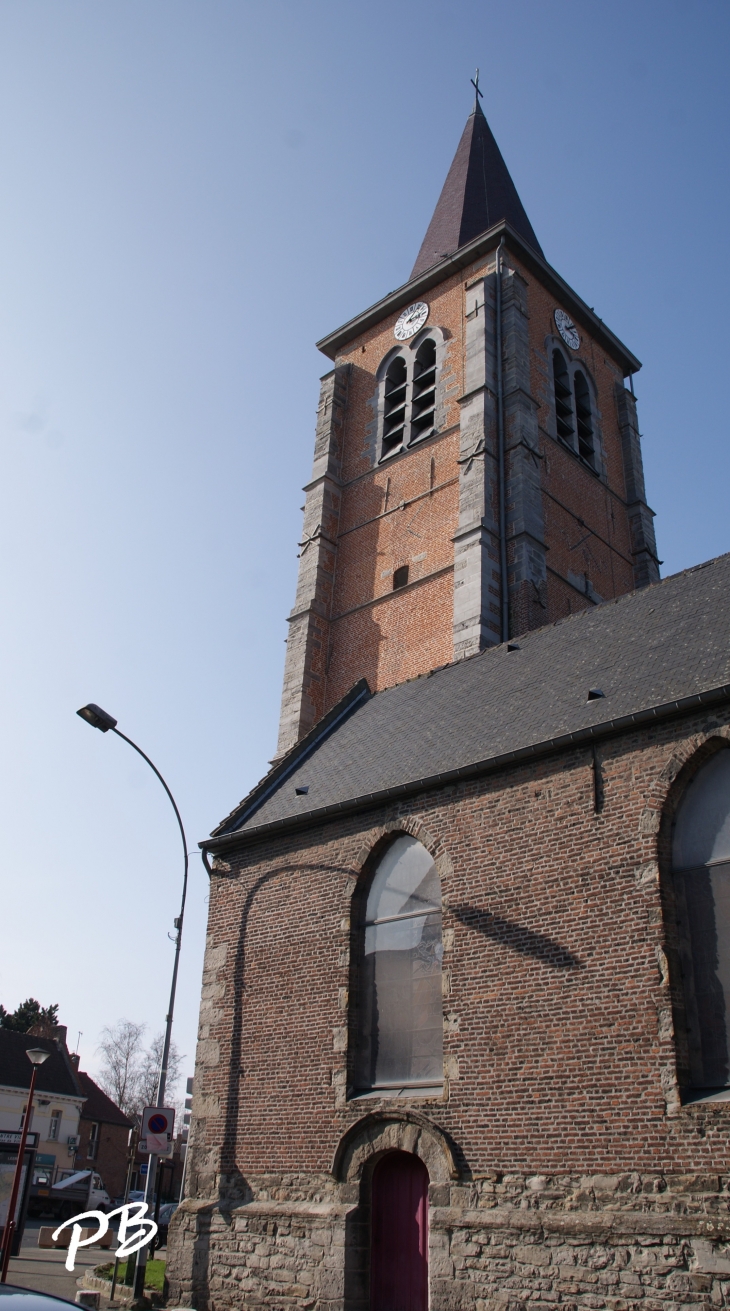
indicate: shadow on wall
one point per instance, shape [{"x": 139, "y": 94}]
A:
[
  {"x": 357, "y": 1258},
  {"x": 235, "y": 1189},
  {"x": 201, "y": 1259},
  {"x": 517, "y": 937}
]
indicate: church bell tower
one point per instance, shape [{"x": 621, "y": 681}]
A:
[{"x": 477, "y": 464}]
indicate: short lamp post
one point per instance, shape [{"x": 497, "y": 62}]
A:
[
  {"x": 36, "y": 1056},
  {"x": 105, "y": 722}
]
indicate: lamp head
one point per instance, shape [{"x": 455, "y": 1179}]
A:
[
  {"x": 97, "y": 717},
  {"x": 37, "y": 1055}
]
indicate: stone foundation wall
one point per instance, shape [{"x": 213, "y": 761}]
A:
[{"x": 654, "y": 1242}]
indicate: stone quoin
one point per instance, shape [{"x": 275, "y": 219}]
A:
[{"x": 463, "y": 1038}]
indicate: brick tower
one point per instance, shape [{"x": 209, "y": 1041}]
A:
[{"x": 477, "y": 464}]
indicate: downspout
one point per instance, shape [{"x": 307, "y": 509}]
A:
[{"x": 503, "y": 581}]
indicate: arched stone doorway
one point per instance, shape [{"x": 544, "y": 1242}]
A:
[
  {"x": 399, "y": 1234},
  {"x": 360, "y": 1153}
]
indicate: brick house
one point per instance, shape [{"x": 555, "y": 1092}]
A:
[
  {"x": 463, "y": 1031},
  {"x": 103, "y": 1136}
]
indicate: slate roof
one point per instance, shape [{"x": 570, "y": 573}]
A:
[
  {"x": 98, "y": 1106},
  {"x": 650, "y": 652},
  {"x": 56, "y": 1075},
  {"x": 477, "y": 194}
]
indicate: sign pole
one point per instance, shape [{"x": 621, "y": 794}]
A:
[{"x": 157, "y": 1123}]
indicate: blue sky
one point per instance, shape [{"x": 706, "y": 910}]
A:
[{"x": 192, "y": 194}]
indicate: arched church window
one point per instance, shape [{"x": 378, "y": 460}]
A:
[
  {"x": 394, "y": 420},
  {"x": 701, "y": 864},
  {"x": 423, "y": 402},
  {"x": 397, "y": 1018},
  {"x": 584, "y": 418},
  {"x": 563, "y": 400}
]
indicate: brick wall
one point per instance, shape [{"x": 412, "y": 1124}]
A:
[
  {"x": 110, "y": 1159},
  {"x": 573, "y": 1174}
]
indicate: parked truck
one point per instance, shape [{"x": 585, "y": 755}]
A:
[{"x": 68, "y": 1193}]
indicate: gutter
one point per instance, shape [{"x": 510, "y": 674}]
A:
[
  {"x": 609, "y": 728},
  {"x": 334, "y": 342}
]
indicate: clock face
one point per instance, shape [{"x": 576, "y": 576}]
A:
[
  {"x": 567, "y": 329},
  {"x": 411, "y": 321}
]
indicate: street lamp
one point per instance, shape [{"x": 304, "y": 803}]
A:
[
  {"x": 100, "y": 719},
  {"x": 36, "y": 1056}
]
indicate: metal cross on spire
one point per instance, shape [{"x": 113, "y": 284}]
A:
[{"x": 475, "y": 84}]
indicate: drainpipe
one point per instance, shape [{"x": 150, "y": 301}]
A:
[{"x": 503, "y": 581}]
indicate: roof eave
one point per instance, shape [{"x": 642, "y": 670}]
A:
[
  {"x": 332, "y": 344},
  {"x": 583, "y": 736},
  {"x": 22, "y": 1090}
]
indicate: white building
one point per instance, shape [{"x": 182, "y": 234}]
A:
[{"x": 57, "y": 1100}]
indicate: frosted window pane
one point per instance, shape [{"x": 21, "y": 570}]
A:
[
  {"x": 406, "y": 881},
  {"x": 702, "y": 828},
  {"x": 400, "y": 1011},
  {"x": 703, "y": 902}
]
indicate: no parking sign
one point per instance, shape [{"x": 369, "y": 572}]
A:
[{"x": 155, "y": 1136}]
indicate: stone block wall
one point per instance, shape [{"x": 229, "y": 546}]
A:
[
  {"x": 303, "y": 695},
  {"x": 503, "y": 1242}
]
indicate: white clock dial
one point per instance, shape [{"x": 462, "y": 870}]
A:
[
  {"x": 411, "y": 321},
  {"x": 567, "y": 329}
]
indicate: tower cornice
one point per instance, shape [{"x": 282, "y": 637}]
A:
[{"x": 332, "y": 344}]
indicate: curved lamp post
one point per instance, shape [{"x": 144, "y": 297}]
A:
[
  {"x": 36, "y": 1056},
  {"x": 99, "y": 718}
]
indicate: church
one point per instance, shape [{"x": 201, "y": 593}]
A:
[{"x": 465, "y": 1019}]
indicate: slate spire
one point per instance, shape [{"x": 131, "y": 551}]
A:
[{"x": 478, "y": 192}]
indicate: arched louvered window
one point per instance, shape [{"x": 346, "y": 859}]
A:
[
  {"x": 563, "y": 400},
  {"x": 396, "y": 1029},
  {"x": 396, "y": 381},
  {"x": 423, "y": 400},
  {"x": 701, "y": 864},
  {"x": 584, "y": 418}
]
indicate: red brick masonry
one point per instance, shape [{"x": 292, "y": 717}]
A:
[{"x": 564, "y": 1169}]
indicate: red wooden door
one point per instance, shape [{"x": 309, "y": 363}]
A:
[{"x": 399, "y": 1229}]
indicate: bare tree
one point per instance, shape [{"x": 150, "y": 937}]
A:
[
  {"x": 121, "y": 1046},
  {"x": 149, "y": 1074},
  {"x": 130, "y": 1072}
]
